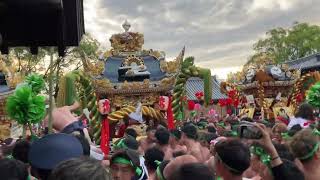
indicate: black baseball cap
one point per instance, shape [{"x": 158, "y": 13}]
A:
[{"x": 50, "y": 150}]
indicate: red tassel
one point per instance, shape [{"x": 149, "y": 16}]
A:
[
  {"x": 232, "y": 93},
  {"x": 229, "y": 111},
  {"x": 229, "y": 101},
  {"x": 299, "y": 98},
  {"x": 105, "y": 133},
  {"x": 236, "y": 102},
  {"x": 222, "y": 102},
  {"x": 170, "y": 115},
  {"x": 191, "y": 105}
]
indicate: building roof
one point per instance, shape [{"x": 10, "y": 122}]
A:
[
  {"x": 195, "y": 85},
  {"x": 113, "y": 63},
  {"x": 305, "y": 63}
]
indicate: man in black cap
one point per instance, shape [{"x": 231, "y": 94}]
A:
[
  {"x": 126, "y": 165},
  {"x": 50, "y": 150},
  {"x": 189, "y": 139}
]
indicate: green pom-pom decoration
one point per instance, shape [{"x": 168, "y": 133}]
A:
[
  {"x": 313, "y": 95},
  {"x": 25, "y": 107},
  {"x": 265, "y": 158},
  {"x": 36, "y": 82}
]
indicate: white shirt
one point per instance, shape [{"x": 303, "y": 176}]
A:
[{"x": 295, "y": 121}]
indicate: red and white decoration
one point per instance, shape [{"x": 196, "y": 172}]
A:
[
  {"x": 104, "y": 106},
  {"x": 163, "y": 102},
  {"x": 199, "y": 95}
]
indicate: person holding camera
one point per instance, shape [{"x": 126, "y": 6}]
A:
[
  {"x": 281, "y": 169},
  {"x": 305, "y": 146}
]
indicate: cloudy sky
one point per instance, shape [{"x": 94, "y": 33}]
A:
[{"x": 219, "y": 33}]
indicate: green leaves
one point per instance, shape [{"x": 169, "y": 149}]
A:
[
  {"x": 289, "y": 44},
  {"x": 36, "y": 82},
  {"x": 25, "y": 107},
  {"x": 88, "y": 47},
  {"x": 313, "y": 95},
  {"x": 189, "y": 61}
]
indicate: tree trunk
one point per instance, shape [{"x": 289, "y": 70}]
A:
[
  {"x": 24, "y": 131},
  {"x": 56, "y": 89},
  {"x": 50, "y": 92},
  {"x": 30, "y": 128}
]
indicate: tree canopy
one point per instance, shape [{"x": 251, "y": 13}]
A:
[
  {"x": 285, "y": 44},
  {"x": 75, "y": 58}
]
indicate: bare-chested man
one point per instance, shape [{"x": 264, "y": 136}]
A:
[
  {"x": 162, "y": 135},
  {"x": 176, "y": 163},
  {"x": 63, "y": 120},
  {"x": 149, "y": 141},
  {"x": 174, "y": 141},
  {"x": 194, "y": 148},
  {"x": 62, "y": 116}
]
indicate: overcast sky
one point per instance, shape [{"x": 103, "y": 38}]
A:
[{"x": 219, "y": 33}]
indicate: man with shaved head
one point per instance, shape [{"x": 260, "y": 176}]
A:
[{"x": 176, "y": 163}]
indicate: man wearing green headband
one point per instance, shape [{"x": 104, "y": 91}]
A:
[
  {"x": 125, "y": 165},
  {"x": 305, "y": 146},
  {"x": 281, "y": 169},
  {"x": 122, "y": 169}
]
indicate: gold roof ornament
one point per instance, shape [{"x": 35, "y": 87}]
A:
[{"x": 127, "y": 41}]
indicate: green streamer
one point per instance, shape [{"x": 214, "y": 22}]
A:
[
  {"x": 205, "y": 74},
  {"x": 285, "y": 135}
]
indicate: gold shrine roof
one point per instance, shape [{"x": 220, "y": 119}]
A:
[{"x": 126, "y": 49}]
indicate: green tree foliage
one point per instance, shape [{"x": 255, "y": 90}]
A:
[
  {"x": 75, "y": 58},
  {"x": 86, "y": 51},
  {"x": 28, "y": 62},
  {"x": 285, "y": 44}
]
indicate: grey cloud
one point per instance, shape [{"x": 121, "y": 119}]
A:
[{"x": 204, "y": 26}]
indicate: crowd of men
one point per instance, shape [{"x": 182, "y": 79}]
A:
[{"x": 205, "y": 150}]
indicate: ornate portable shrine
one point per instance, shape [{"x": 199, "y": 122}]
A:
[
  {"x": 9, "y": 78},
  {"x": 130, "y": 74},
  {"x": 266, "y": 82},
  {"x": 127, "y": 75},
  {"x": 274, "y": 87},
  {"x": 124, "y": 76},
  {"x": 5, "y": 122}
]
